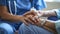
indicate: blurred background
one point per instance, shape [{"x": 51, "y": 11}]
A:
[{"x": 52, "y": 4}]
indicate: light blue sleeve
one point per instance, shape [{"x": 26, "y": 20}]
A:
[
  {"x": 40, "y": 4},
  {"x": 58, "y": 13},
  {"x": 57, "y": 24},
  {"x": 3, "y": 2}
]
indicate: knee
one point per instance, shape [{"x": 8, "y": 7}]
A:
[
  {"x": 6, "y": 28},
  {"x": 26, "y": 29},
  {"x": 23, "y": 26},
  {"x": 22, "y": 29}
]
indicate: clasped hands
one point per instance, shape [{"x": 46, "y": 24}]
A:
[{"x": 32, "y": 18}]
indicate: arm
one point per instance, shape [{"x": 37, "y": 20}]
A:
[
  {"x": 50, "y": 26},
  {"x": 48, "y": 23},
  {"x": 48, "y": 13},
  {"x": 4, "y": 14}
]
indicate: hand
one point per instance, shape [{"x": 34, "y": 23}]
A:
[
  {"x": 32, "y": 12},
  {"x": 33, "y": 17},
  {"x": 34, "y": 20},
  {"x": 30, "y": 15},
  {"x": 26, "y": 20},
  {"x": 35, "y": 13}
]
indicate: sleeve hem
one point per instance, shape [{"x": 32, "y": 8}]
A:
[{"x": 57, "y": 13}]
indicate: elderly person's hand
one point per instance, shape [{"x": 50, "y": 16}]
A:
[
  {"x": 48, "y": 25},
  {"x": 34, "y": 19}
]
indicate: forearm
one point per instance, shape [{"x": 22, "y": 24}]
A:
[
  {"x": 4, "y": 14},
  {"x": 48, "y": 13},
  {"x": 10, "y": 17},
  {"x": 50, "y": 26}
]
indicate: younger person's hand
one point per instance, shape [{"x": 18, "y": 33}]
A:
[
  {"x": 32, "y": 12},
  {"x": 25, "y": 20},
  {"x": 32, "y": 16}
]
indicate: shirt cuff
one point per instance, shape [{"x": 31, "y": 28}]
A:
[
  {"x": 57, "y": 24},
  {"x": 57, "y": 12}
]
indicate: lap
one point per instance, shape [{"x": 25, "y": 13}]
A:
[
  {"x": 6, "y": 28},
  {"x": 32, "y": 29}
]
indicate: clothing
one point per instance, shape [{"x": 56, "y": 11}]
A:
[
  {"x": 32, "y": 29},
  {"x": 6, "y": 29},
  {"x": 19, "y": 7},
  {"x": 57, "y": 23}
]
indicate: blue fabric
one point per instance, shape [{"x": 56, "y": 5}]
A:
[
  {"x": 32, "y": 29},
  {"x": 15, "y": 25},
  {"x": 57, "y": 24},
  {"x": 3, "y": 2},
  {"x": 40, "y": 4},
  {"x": 22, "y": 7},
  {"x": 58, "y": 13},
  {"x": 6, "y": 29},
  {"x": 54, "y": 18}
]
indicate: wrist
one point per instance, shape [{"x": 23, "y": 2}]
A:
[
  {"x": 50, "y": 27},
  {"x": 42, "y": 21},
  {"x": 43, "y": 13},
  {"x": 49, "y": 24},
  {"x": 20, "y": 17}
]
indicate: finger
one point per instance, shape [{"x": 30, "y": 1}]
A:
[
  {"x": 32, "y": 19},
  {"x": 28, "y": 13},
  {"x": 29, "y": 21},
  {"x": 30, "y": 16},
  {"x": 36, "y": 18},
  {"x": 37, "y": 21},
  {"x": 34, "y": 12},
  {"x": 25, "y": 22}
]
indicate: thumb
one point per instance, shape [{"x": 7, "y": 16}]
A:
[{"x": 33, "y": 12}]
